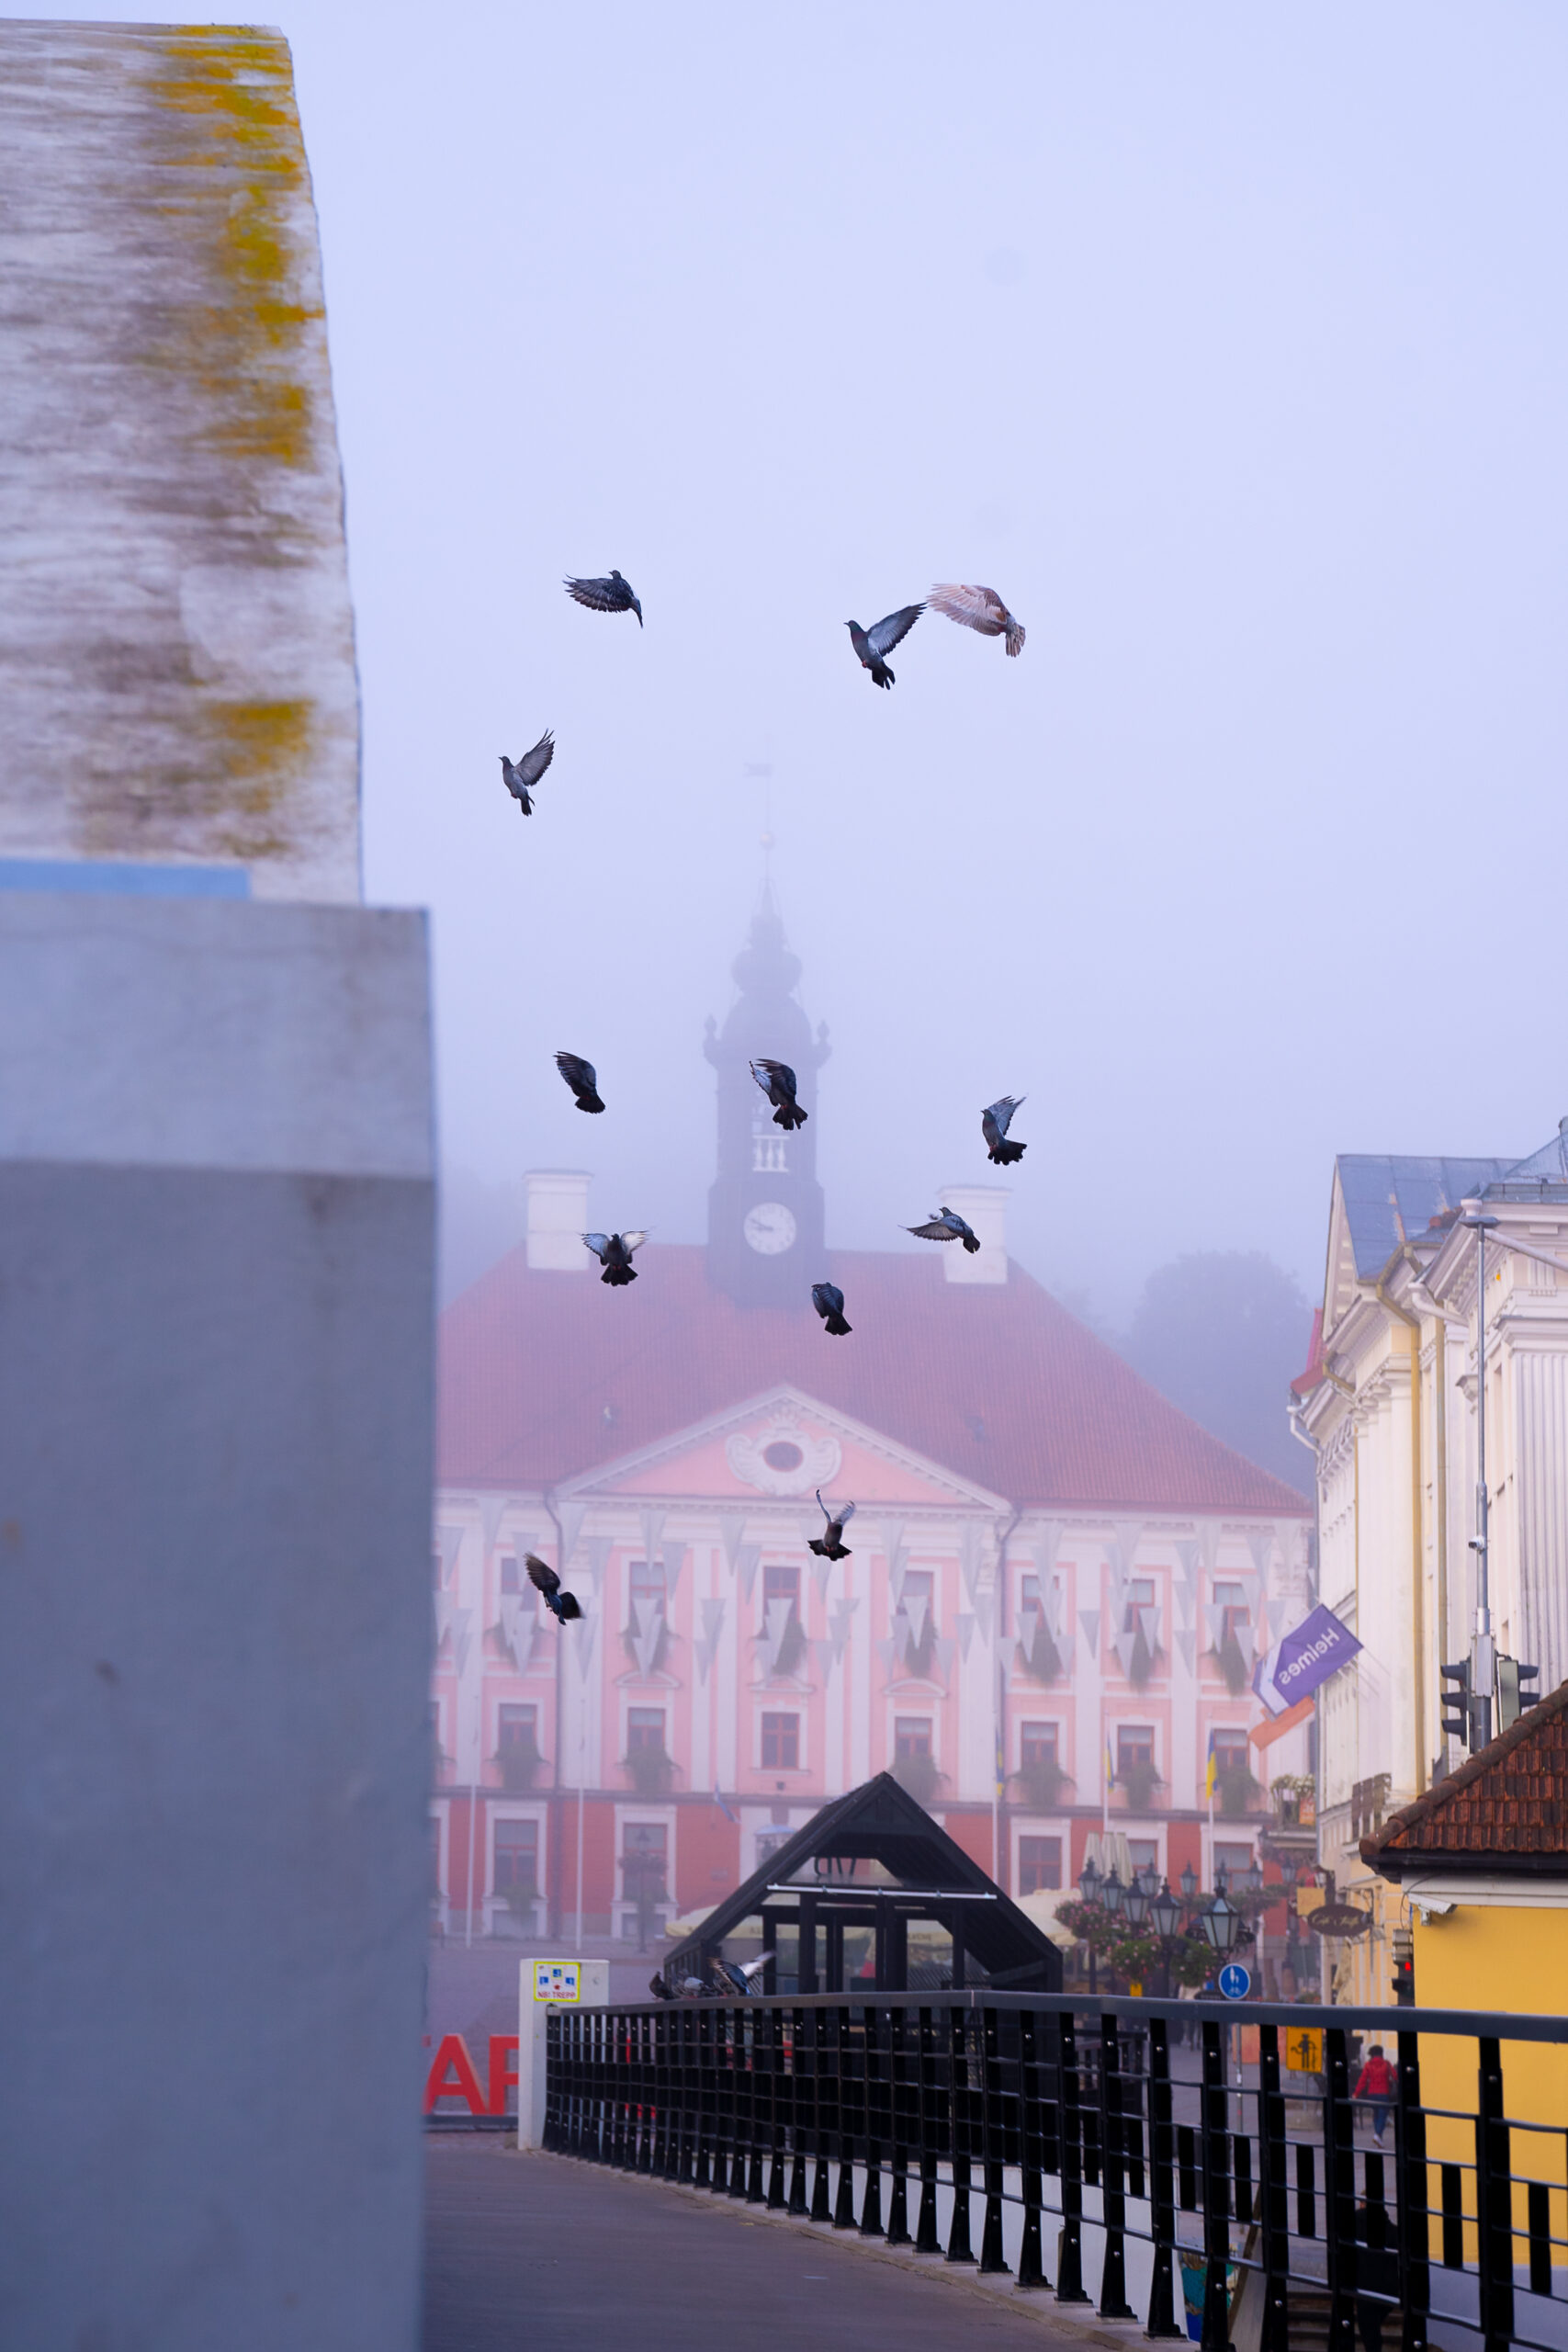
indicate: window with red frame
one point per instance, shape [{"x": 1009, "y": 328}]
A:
[
  {"x": 1039, "y": 1864},
  {"x": 780, "y": 1743}
]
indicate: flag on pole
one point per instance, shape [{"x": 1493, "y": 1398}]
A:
[
  {"x": 1213, "y": 1771},
  {"x": 724, "y": 1808}
]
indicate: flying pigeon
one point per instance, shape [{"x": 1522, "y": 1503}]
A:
[
  {"x": 740, "y": 1972},
  {"x": 562, "y": 1606},
  {"x": 994, "y": 1125},
  {"x": 874, "y": 645},
  {"x": 777, "y": 1082},
  {"x": 521, "y": 775},
  {"x": 614, "y": 1251},
  {"x": 832, "y": 1545},
  {"x": 948, "y": 1227},
  {"x": 612, "y": 595},
  {"x": 582, "y": 1078},
  {"x": 979, "y": 608},
  {"x": 829, "y": 1301}
]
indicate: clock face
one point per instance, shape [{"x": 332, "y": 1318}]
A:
[{"x": 769, "y": 1227}]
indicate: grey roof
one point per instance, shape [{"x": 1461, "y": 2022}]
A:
[
  {"x": 1375, "y": 1184},
  {"x": 1543, "y": 1176}
]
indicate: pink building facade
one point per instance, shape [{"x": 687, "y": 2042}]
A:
[{"x": 1056, "y": 1592}]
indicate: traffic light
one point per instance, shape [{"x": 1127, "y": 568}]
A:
[
  {"x": 1456, "y": 1702},
  {"x": 1513, "y": 1694}
]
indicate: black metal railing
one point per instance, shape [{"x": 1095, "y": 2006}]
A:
[{"x": 1126, "y": 2147}]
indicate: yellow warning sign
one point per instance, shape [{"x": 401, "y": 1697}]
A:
[
  {"x": 557, "y": 1980},
  {"x": 1303, "y": 2050}
]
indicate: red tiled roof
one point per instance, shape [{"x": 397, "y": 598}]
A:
[
  {"x": 995, "y": 1381},
  {"x": 1305, "y": 1382},
  {"x": 1505, "y": 1806}
]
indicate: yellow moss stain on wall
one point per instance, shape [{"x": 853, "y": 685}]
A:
[
  {"x": 257, "y": 747},
  {"x": 231, "y": 94}
]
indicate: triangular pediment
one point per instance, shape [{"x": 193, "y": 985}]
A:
[
  {"x": 780, "y": 1446},
  {"x": 1340, "y": 1286}
]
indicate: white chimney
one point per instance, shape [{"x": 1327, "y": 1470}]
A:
[
  {"x": 557, "y": 1219},
  {"x": 984, "y": 1208}
]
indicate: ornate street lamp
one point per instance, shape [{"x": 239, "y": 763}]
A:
[
  {"x": 1135, "y": 1902},
  {"x": 1149, "y": 1879},
  {"x": 1189, "y": 1884},
  {"x": 1165, "y": 1914},
  {"x": 1112, "y": 1894},
  {"x": 1089, "y": 1880},
  {"x": 1221, "y": 1924}
]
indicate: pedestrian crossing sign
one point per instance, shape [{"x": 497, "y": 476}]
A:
[
  {"x": 557, "y": 1980},
  {"x": 1303, "y": 2050}
]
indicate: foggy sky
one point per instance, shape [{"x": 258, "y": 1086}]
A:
[{"x": 1227, "y": 344}]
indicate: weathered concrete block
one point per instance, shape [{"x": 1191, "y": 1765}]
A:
[{"x": 216, "y": 1303}]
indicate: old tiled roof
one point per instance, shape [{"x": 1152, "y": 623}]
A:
[
  {"x": 1505, "y": 1808},
  {"x": 544, "y": 1376},
  {"x": 1388, "y": 1195}
]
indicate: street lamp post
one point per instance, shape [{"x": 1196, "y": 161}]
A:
[{"x": 1482, "y": 1650}]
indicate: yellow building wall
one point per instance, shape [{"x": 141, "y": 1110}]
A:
[{"x": 1494, "y": 1957}]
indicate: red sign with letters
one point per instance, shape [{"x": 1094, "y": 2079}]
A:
[{"x": 452, "y": 2059}]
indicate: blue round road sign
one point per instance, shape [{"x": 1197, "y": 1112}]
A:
[{"x": 1234, "y": 1982}]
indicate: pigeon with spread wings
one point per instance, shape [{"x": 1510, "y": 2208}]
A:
[
  {"x": 948, "y": 1227},
  {"x": 582, "y": 1078},
  {"x": 614, "y": 1251},
  {"x": 830, "y": 1544},
  {"x": 562, "y": 1606},
  {"x": 612, "y": 595},
  {"x": 995, "y": 1121},
  {"x": 521, "y": 775},
  {"x": 977, "y": 608},
  {"x": 829, "y": 1301},
  {"x": 874, "y": 644},
  {"x": 777, "y": 1081}
]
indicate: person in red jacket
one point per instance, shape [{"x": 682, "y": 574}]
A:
[{"x": 1375, "y": 2084}]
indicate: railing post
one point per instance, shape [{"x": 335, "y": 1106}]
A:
[
  {"x": 1412, "y": 2197},
  {"x": 1031, "y": 2149},
  {"x": 1162, "y": 2189},
  {"x": 819, "y": 2112},
  {"x": 1493, "y": 2199},
  {"x": 844, "y": 2202},
  {"x": 931, "y": 2114},
  {"x": 778, "y": 2099},
  {"x": 958, "y": 2248},
  {"x": 901, "y": 2111},
  {"x": 1215, "y": 2134},
  {"x": 702, "y": 2175},
  {"x": 1274, "y": 2203},
  {"x": 798, "y": 2060},
  {"x": 993, "y": 2143},
  {"x": 1340, "y": 2191},
  {"x": 1113, "y": 2303},
  {"x": 1069, "y": 2274},
  {"x": 871, "y": 2207}
]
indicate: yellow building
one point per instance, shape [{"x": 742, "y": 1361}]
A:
[{"x": 1478, "y": 1866}]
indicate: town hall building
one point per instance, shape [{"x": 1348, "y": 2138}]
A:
[{"x": 1056, "y": 1589}]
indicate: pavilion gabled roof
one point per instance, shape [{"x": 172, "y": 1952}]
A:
[{"x": 881, "y": 1822}]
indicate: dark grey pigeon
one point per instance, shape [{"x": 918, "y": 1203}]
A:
[
  {"x": 874, "y": 645},
  {"x": 562, "y": 1606},
  {"x": 777, "y": 1082},
  {"x": 830, "y": 1544},
  {"x": 614, "y": 1251},
  {"x": 582, "y": 1078},
  {"x": 994, "y": 1125},
  {"x": 612, "y": 595},
  {"x": 521, "y": 775},
  {"x": 948, "y": 1227},
  {"x": 829, "y": 1301}
]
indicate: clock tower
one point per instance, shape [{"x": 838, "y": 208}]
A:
[{"x": 765, "y": 1211}]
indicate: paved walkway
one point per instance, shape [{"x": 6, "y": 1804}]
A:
[{"x": 542, "y": 2253}]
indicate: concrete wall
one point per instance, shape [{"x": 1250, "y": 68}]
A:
[
  {"x": 216, "y": 1304},
  {"x": 177, "y": 645}
]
